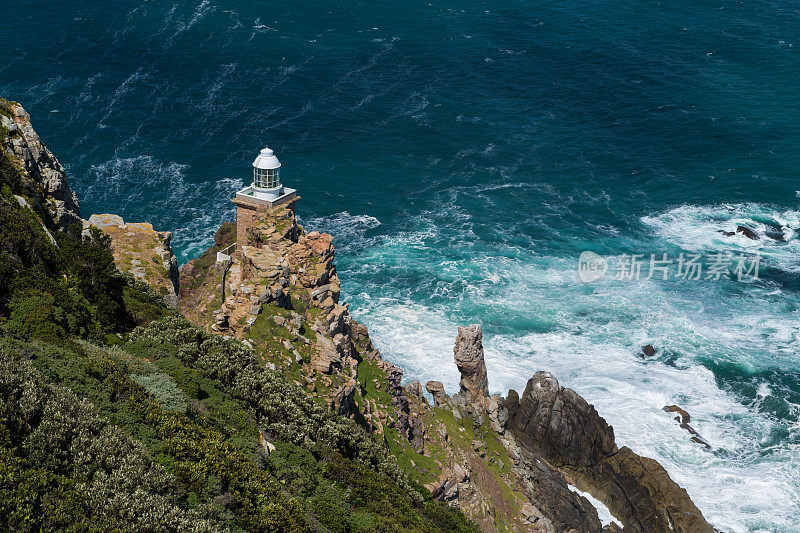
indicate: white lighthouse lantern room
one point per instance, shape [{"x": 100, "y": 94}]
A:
[{"x": 267, "y": 173}]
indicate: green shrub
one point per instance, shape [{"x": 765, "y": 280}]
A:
[
  {"x": 280, "y": 405},
  {"x": 53, "y": 313},
  {"x": 88, "y": 474},
  {"x": 164, "y": 389}
]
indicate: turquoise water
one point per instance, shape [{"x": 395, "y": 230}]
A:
[{"x": 464, "y": 154}]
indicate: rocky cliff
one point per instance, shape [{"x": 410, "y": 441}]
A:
[
  {"x": 141, "y": 251},
  {"x": 558, "y": 425},
  {"x": 511, "y": 464},
  {"x": 42, "y": 177}
]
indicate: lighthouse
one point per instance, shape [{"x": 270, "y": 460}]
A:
[{"x": 265, "y": 192}]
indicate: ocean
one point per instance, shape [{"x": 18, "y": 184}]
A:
[{"x": 464, "y": 154}]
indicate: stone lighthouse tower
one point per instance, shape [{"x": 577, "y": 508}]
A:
[{"x": 264, "y": 193}]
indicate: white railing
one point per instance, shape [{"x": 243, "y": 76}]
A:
[{"x": 225, "y": 254}]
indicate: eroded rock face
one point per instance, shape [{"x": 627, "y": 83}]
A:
[
  {"x": 326, "y": 357},
  {"x": 437, "y": 391},
  {"x": 468, "y": 353},
  {"x": 552, "y": 504},
  {"x": 413, "y": 389},
  {"x": 46, "y": 179},
  {"x": 566, "y": 428},
  {"x": 556, "y": 423},
  {"x": 343, "y": 402}
]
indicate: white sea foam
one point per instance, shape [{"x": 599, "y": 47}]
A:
[
  {"x": 538, "y": 316},
  {"x": 348, "y": 230},
  {"x": 696, "y": 228},
  {"x": 602, "y": 511}
]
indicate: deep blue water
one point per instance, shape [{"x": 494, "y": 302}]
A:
[{"x": 463, "y": 155}]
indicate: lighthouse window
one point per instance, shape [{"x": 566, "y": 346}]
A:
[{"x": 266, "y": 178}]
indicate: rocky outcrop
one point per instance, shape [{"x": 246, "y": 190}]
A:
[
  {"x": 683, "y": 418},
  {"x": 44, "y": 179},
  {"x": 413, "y": 389},
  {"x": 446, "y": 487},
  {"x": 468, "y": 354},
  {"x": 142, "y": 251},
  {"x": 561, "y": 427},
  {"x": 506, "y": 463},
  {"x": 437, "y": 391}
]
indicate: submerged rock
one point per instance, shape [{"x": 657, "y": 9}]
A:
[
  {"x": 683, "y": 418},
  {"x": 747, "y": 232}
]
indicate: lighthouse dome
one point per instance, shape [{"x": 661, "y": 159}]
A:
[
  {"x": 266, "y": 172},
  {"x": 266, "y": 159}
]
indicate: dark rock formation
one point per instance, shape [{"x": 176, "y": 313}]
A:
[
  {"x": 684, "y": 419},
  {"x": 648, "y": 350},
  {"x": 468, "y": 353},
  {"x": 776, "y": 235},
  {"x": 747, "y": 232},
  {"x": 552, "y": 503},
  {"x": 560, "y": 426}
]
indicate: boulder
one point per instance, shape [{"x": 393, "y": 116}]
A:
[
  {"x": 648, "y": 350},
  {"x": 413, "y": 389},
  {"x": 437, "y": 391},
  {"x": 747, "y": 232},
  {"x": 468, "y": 354}
]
